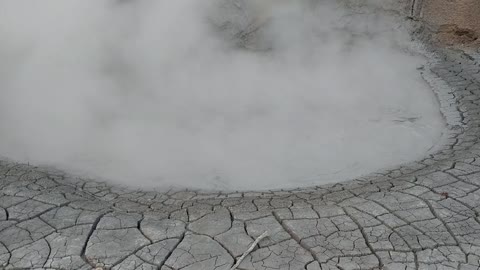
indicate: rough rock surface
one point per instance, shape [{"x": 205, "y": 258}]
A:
[{"x": 456, "y": 22}]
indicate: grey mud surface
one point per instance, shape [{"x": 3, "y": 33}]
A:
[{"x": 424, "y": 215}]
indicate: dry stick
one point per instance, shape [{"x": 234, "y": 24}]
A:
[{"x": 252, "y": 246}]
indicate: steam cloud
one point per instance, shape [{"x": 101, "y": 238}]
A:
[{"x": 220, "y": 94}]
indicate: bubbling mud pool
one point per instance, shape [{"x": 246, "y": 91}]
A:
[{"x": 223, "y": 96}]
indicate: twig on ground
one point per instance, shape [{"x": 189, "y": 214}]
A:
[{"x": 252, "y": 246}]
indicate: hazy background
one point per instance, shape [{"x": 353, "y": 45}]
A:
[{"x": 185, "y": 93}]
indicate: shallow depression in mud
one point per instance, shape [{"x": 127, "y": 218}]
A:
[{"x": 228, "y": 95}]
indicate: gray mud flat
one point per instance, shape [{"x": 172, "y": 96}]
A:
[
  {"x": 419, "y": 216},
  {"x": 423, "y": 215}
]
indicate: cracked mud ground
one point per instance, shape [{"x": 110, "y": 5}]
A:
[{"x": 424, "y": 215}]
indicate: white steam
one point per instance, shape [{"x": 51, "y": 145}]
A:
[{"x": 210, "y": 94}]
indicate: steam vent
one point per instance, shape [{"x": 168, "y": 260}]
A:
[{"x": 240, "y": 134}]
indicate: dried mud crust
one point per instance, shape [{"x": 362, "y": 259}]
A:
[{"x": 420, "y": 216}]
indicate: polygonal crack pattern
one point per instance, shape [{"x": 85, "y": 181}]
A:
[{"x": 420, "y": 216}]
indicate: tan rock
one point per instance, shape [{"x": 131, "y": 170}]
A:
[{"x": 456, "y": 21}]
